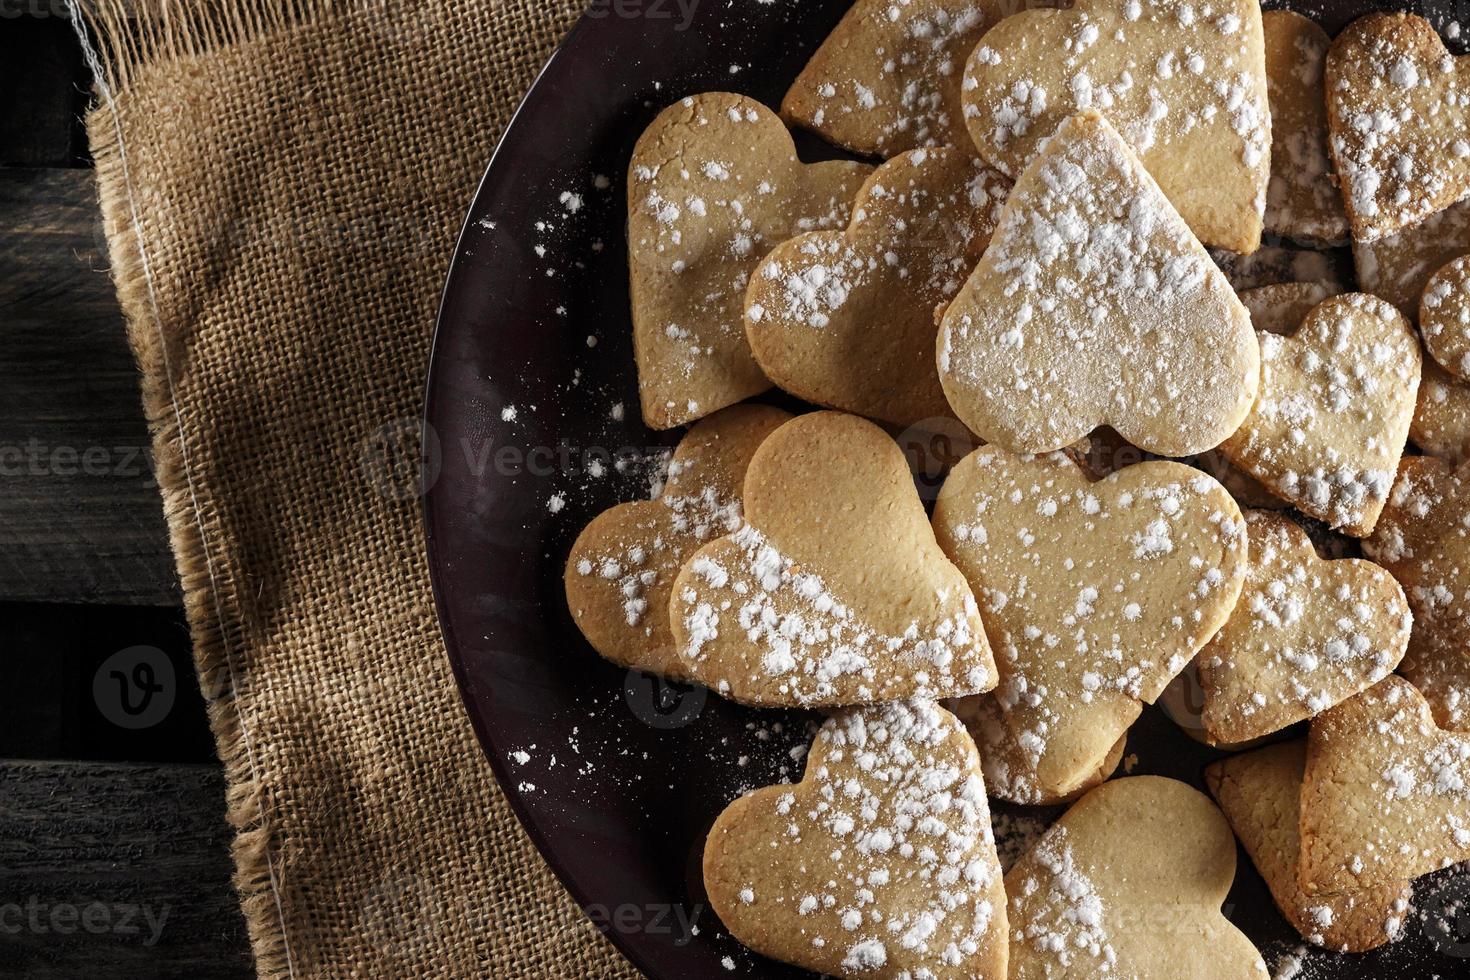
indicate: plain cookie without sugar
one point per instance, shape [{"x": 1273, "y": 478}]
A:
[
  {"x": 834, "y": 591},
  {"x": 714, "y": 183},
  {"x": 1094, "y": 305}
]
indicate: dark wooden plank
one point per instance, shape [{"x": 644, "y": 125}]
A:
[
  {"x": 45, "y": 83},
  {"x": 111, "y": 871},
  {"x": 80, "y": 517},
  {"x": 99, "y": 683}
]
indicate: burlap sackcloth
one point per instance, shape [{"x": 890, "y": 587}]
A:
[{"x": 282, "y": 182}]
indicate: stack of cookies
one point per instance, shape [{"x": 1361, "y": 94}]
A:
[{"x": 1192, "y": 457}]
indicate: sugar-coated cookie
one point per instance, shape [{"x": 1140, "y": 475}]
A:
[
  {"x": 1334, "y": 409},
  {"x": 846, "y": 318},
  {"x": 1305, "y": 635},
  {"x": 880, "y": 863},
  {"x": 1430, "y": 503},
  {"x": 621, "y": 570},
  {"x": 1272, "y": 264},
  {"x": 713, "y": 184},
  {"x": 1386, "y": 794},
  {"x": 1128, "y": 883},
  {"x": 1439, "y": 666},
  {"x": 1444, "y": 317},
  {"x": 1302, "y": 201},
  {"x": 1010, "y": 770},
  {"x": 1260, "y": 793},
  {"x": 1398, "y": 110},
  {"x": 1094, "y": 305},
  {"x": 1185, "y": 85},
  {"x": 1094, "y": 595},
  {"x": 1281, "y": 307},
  {"x": 1424, "y": 540},
  {"x": 834, "y": 591},
  {"x": 887, "y": 79},
  {"x": 1397, "y": 266},
  {"x": 1441, "y": 424}
]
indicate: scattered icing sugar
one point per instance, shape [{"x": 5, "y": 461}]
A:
[
  {"x": 898, "y": 851},
  {"x": 1399, "y": 114},
  {"x": 1065, "y": 915},
  {"x": 897, "y": 87},
  {"x": 1186, "y": 85},
  {"x": 805, "y": 638},
  {"x": 1091, "y": 269}
]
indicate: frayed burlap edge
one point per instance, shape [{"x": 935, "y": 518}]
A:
[{"x": 119, "y": 42}]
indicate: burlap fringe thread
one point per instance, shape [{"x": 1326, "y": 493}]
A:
[
  {"x": 124, "y": 38},
  {"x": 132, "y": 34}
]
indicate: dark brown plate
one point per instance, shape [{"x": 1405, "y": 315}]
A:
[{"x": 623, "y": 775}]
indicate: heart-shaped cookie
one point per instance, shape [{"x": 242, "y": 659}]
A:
[
  {"x": 1185, "y": 85},
  {"x": 1305, "y": 635},
  {"x": 846, "y": 318},
  {"x": 1093, "y": 594},
  {"x": 1281, "y": 307},
  {"x": 887, "y": 79},
  {"x": 1010, "y": 770},
  {"x": 1430, "y": 505},
  {"x": 1423, "y": 538},
  {"x": 1386, "y": 795},
  {"x": 1398, "y": 110},
  {"x": 621, "y": 569},
  {"x": 1128, "y": 883},
  {"x": 1260, "y": 792},
  {"x": 1302, "y": 202},
  {"x": 1334, "y": 409},
  {"x": 714, "y": 184},
  {"x": 880, "y": 863},
  {"x": 1438, "y": 665},
  {"x": 1397, "y": 266},
  {"x": 1444, "y": 317},
  {"x": 834, "y": 592},
  {"x": 1441, "y": 423},
  {"x": 1094, "y": 305}
]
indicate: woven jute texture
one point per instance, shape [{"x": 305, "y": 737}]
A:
[{"x": 282, "y": 181}]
